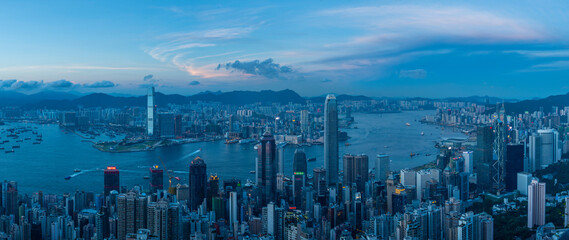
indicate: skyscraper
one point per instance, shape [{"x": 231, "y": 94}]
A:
[
  {"x": 267, "y": 167},
  {"x": 112, "y": 180},
  {"x": 198, "y": 183},
  {"x": 549, "y": 146},
  {"x": 167, "y": 125},
  {"x": 299, "y": 168},
  {"x": 514, "y": 165},
  {"x": 483, "y": 156},
  {"x": 151, "y": 111},
  {"x": 382, "y": 167},
  {"x": 331, "y": 160},
  {"x": 156, "y": 179},
  {"x": 356, "y": 170},
  {"x": 536, "y": 204},
  {"x": 304, "y": 122}
]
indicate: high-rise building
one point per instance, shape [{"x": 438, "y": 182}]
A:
[
  {"x": 536, "y": 204},
  {"x": 233, "y": 207},
  {"x": 534, "y": 153},
  {"x": 299, "y": 168},
  {"x": 112, "y": 180},
  {"x": 514, "y": 165},
  {"x": 150, "y": 114},
  {"x": 167, "y": 125},
  {"x": 304, "y": 122},
  {"x": 130, "y": 216},
  {"x": 408, "y": 177},
  {"x": 198, "y": 183},
  {"x": 382, "y": 168},
  {"x": 356, "y": 170},
  {"x": 156, "y": 179},
  {"x": 523, "y": 181},
  {"x": 468, "y": 157},
  {"x": 331, "y": 158},
  {"x": 483, "y": 156},
  {"x": 549, "y": 146},
  {"x": 267, "y": 167}
]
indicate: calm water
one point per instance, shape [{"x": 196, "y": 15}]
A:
[{"x": 43, "y": 167}]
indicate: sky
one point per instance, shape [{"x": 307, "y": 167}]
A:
[{"x": 509, "y": 49}]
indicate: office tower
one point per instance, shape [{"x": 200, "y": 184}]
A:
[
  {"x": 523, "y": 181},
  {"x": 319, "y": 184},
  {"x": 514, "y": 165},
  {"x": 382, "y": 168},
  {"x": 198, "y": 183},
  {"x": 399, "y": 199},
  {"x": 212, "y": 190},
  {"x": 158, "y": 219},
  {"x": 178, "y": 128},
  {"x": 499, "y": 150},
  {"x": 407, "y": 177},
  {"x": 9, "y": 198},
  {"x": 233, "y": 207},
  {"x": 423, "y": 176},
  {"x": 112, "y": 180},
  {"x": 463, "y": 186},
  {"x": 390, "y": 189},
  {"x": 280, "y": 159},
  {"x": 150, "y": 114},
  {"x": 299, "y": 168},
  {"x": 468, "y": 157},
  {"x": 331, "y": 160},
  {"x": 304, "y": 122},
  {"x": 167, "y": 125},
  {"x": 156, "y": 179},
  {"x": 356, "y": 170},
  {"x": 534, "y": 153},
  {"x": 549, "y": 147},
  {"x": 536, "y": 204},
  {"x": 483, "y": 156},
  {"x": 267, "y": 167},
  {"x": 173, "y": 221}
]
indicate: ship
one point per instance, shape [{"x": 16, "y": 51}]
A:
[
  {"x": 347, "y": 144},
  {"x": 412, "y": 154},
  {"x": 248, "y": 140},
  {"x": 146, "y": 177},
  {"x": 67, "y": 178},
  {"x": 232, "y": 141},
  {"x": 16, "y": 146},
  {"x": 312, "y": 159},
  {"x": 422, "y": 134},
  {"x": 9, "y": 151},
  {"x": 77, "y": 170},
  {"x": 407, "y": 124}
]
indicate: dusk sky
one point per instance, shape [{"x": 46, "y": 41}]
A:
[{"x": 375, "y": 48}]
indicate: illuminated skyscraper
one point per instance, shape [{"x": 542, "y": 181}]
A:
[
  {"x": 267, "y": 167},
  {"x": 156, "y": 179},
  {"x": 112, "y": 180},
  {"x": 198, "y": 182},
  {"x": 382, "y": 168},
  {"x": 331, "y": 160},
  {"x": 299, "y": 167},
  {"x": 151, "y": 112}
]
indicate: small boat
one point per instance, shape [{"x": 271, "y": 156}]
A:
[
  {"x": 77, "y": 170},
  {"x": 146, "y": 177},
  {"x": 407, "y": 124},
  {"x": 252, "y": 172},
  {"x": 312, "y": 159},
  {"x": 67, "y": 178},
  {"x": 412, "y": 154},
  {"x": 19, "y": 140},
  {"x": 422, "y": 134},
  {"x": 427, "y": 154},
  {"x": 28, "y": 138},
  {"x": 36, "y": 143},
  {"x": 9, "y": 151},
  {"x": 16, "y": 146},
  {"x": 347, "y": 144},
  {"x": 232, "y": 141},
  {"x": 1, "y": 148}
]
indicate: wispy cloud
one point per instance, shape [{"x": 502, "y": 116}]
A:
[
  {"x": 266, "y": 68},
  {"x": 415, "y": 73},
  {"x": 100, "y": 84},
  {"x": 558, "y": 53},
  {"x": 73, "y": 67}
]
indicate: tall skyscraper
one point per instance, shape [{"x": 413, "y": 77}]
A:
[
  {"x": 304, "y": 122},
  {"x": 534, "y": 153},
  {"x": 536, "y": 204},
  {"x": 523, "y": 181},
  {"x": 299, "y": 168},
  {"x": 483, "y": 156},
  {"x": 267, "y": 167},
  {"x": 356, "y": 170},
  {"x": 468, "y": 157},
  {"x": 549, "y": 147},
  {"x": 382, "y": 168},
  {"x": 167, "y": 125},
  {"x": 112, "y": 180},
  {"x": 198, "y": 183},
  {"x": 331, "y": 161},
  {"x": 156, "y": 179},
  {"x": 514, "y": 165},
  {"x": 150, "y": 114}
]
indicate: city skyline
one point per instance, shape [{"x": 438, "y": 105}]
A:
[{"x": 388, "y": 49}]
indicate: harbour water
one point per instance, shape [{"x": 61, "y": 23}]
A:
[{"x": 44, "y": 166}]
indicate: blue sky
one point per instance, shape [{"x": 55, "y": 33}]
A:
[{"x": 375, "y": 48}]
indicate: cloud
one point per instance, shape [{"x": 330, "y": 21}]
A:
[
  {"x": 194, "y": 83},
  {"x": 266, "y": 68},
  {"x": 7, "y": 83},
  {"x": 550, "y": 66},
  {"x": 325, "y": 80},
  {"x": 415, "y": 73},
  {"x": 100, "y": 84},
  {"x": 59, "y": 84},
  {"x": 560, "y": 53},
  {"x": 27, "y": 85}
]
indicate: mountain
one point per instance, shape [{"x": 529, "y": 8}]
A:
[
  {"x": 229, "y": 98},
  {"x": 479, "y": 99},
  {"x": 534, "y": 105}
]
